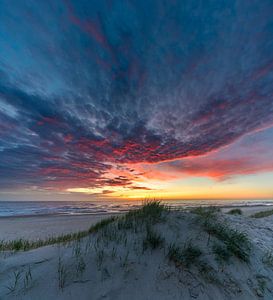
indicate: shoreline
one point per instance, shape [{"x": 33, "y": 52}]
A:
[
  {"x": 33, "y": 227},
  {"x": 174, "y": 207},
  {"x": 52, "y": 215}
]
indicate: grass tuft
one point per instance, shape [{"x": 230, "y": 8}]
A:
[
  {"x": 206, "y": 211},
  {"x": 150, "y": 213},
  {"x": 102, "y": 224},
  {"x": 262, "y": 214},
  {"x": 221, "y": 252},
  {"x": 235, "y": 211},
  {"x": 191, "y": 254},
  {"x": 152, "y": 239},
  {"x": 151, "y": 210},
  {"x": 209, "y": 273},
  {"x": 237, "y": 243},
  {"x": 184, "y": 257},
  {"x": 206, "y": 214},
  {"x": 24, "y": 245},
  {"x": 81, "y": 266},
  {"x": 268, "y": 259},
  {"x": 62, "y": 274}
]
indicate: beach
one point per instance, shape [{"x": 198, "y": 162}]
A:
[
  {"x": 44, "y": 226},
  {"x": 136, "y": 150},
  {"x": 150, "y": 253}
]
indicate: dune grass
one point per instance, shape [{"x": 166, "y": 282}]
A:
[
  {"x": 62, "y": 274},
  {"x": 221, "y": 252},
  {"x": 262, "y": 214},
  {"x": 150, "y": 213},
  {"x": 185, "y": 256},
  {"x": 101, "y": 224},
  {"x": 235, "y": 211},
  {"x": 231, "y": 241},
  {"x": 206, "y": 214},
  {"x": 234, "y": 242},
  {"x": 122, "y": 241},
  {"x": 24, "y": 245},
  {"x": 268, "y": 259},
  {"x": 205, "y": 211},
  {"x": 152, "y": 239}
]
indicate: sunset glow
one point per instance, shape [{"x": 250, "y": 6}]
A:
[{"x": 91, "y": 106}]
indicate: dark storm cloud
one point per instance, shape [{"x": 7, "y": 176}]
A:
[{"x": 87, "y": 85}]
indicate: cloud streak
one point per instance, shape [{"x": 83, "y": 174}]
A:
[{"x": 88, "y": 87}]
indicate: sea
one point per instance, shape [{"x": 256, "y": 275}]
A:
[{"x": 35, "y": 208}]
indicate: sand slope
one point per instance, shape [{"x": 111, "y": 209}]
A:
[{"x": 114, "y": 263}]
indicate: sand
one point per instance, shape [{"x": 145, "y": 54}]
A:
[
  {"x": 35, "y": 227},
  {"x": 41, "y": 227},
  {"x": 113, "y": 264},
  {"x": 249, "y": 210}
]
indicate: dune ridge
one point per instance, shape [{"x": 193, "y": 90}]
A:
[{"x": 150, "y": 253}]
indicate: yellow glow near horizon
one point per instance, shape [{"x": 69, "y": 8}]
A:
[{"x": 192, "y": 188}]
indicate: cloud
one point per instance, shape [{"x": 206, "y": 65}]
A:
[
  {"x": 85, "y": 89},
  {"x": 250, "y": 155},
  {"x": 220, "y": 169}
]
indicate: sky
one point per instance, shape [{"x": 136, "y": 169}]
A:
[{"x": 136, "y": 99}]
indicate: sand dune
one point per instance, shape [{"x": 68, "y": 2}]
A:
[{"x": 155, "y": 255}]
